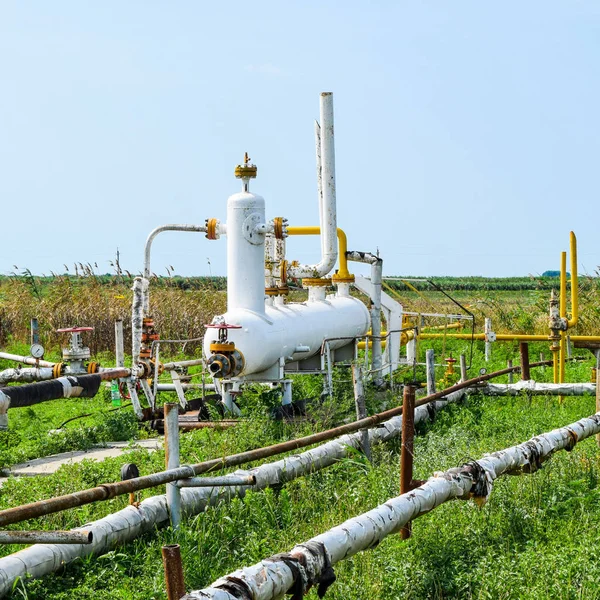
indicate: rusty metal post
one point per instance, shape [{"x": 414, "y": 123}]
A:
[
  {"x": 361, "y": 409},
  {"x": 509, "y": 365},
  {"x": 406, "y": 454},
  {"x": 174, "y": 581},
  {"x": 172, "y": 461},
  {"x": 524, "y": 351}
]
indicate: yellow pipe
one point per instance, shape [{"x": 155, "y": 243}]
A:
[
  {"x": 563, "y": 313},
  {"x": 574, "y": 283},
  {"x": 507, "y": 337},
  {"x": 343, "y": 272}
]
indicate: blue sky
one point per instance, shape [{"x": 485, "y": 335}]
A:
[{"x": 467, "y": 133}]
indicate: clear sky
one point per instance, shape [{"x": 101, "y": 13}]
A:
[{"x": 467, "y": 133}]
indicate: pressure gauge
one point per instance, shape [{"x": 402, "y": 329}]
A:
[{"x": 37, "y": 350}]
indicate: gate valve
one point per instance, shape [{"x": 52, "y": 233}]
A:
[
  {"x": 226, "y": 360},
  {"x": 76, "y": 352}
]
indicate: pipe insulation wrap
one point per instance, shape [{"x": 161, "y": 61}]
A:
[
  {"x": 537, "y": 389},
  {"x": 272, "y": 578},
  {"x": 130, "y": 522},
  {"x": 137, "y": 317},
  {"x": 26, "y": 375},
  {"x": 86, "y": 386}
]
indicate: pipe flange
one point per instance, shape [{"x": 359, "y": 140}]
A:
[
  {"x": 272, "y": 291},
  {"x": 212, "y": 229},
  {"x": 279, "y": 227},
  {"x": 58, "y": 370},
  {"x": 316, "y": 282},
  {"x": 249, "y": 226},
  {"x": 343, "y": 278},
  {"x": 93, "y": 367},
  {"x": 246, "y": 171}
]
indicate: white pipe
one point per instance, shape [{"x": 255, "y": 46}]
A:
[
  {"x": 155, "y": 232},
  {"x": 172, "y": 460},
  {"x": 537, "y": 389},
  {"x": 376, "y": 354},
  {"x": 272, "y": 578},
  {"x": 137, "y": 318},
  {"x": 319, "y": 179},
  {"x": 328, "y": 216},
  {"x": 131, "y": 522},
  {"x": 26, "y": 360},
  {"x": 26, "y": 375}
]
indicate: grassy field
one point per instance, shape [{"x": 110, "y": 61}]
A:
[{"x": 535, "y": 538}]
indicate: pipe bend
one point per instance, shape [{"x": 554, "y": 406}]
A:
[
  {"x": 311, "y": 270},
  {"x": 155, "y": 232}
]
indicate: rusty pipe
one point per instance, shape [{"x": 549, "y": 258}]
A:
[{"x": 407, "y": 449}]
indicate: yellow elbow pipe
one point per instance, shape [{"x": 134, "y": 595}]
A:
[
  {"x": 574, "y": 284},
  {"x": 343, "y": 272}
]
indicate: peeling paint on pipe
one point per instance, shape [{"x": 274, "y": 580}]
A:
[
  {"x": 537, "y": 389},
  {"x": 328, "y": 214},
  {"x": 131, "y": 522},
  {"x": 273, "y": 577},
  {"x": 46, "y": 537},
  {"x": 110, "y": 490}
]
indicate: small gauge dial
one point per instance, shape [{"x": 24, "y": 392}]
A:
[{"x": 37, "y": 350}]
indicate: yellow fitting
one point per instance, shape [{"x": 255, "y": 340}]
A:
[
  {"x": 57, "y": 370},
  {"x": 316, "y": 282},
  {"x": 222, "y": 347},
  {"x": 278, "y": 227},
  {"x": 272, "y": 291},
  {"x": 93, "y": 367},
  {"x": 247, "y": 170},
  {"x": 343, "y": 275},
  {"x": 211, "y": 229}
]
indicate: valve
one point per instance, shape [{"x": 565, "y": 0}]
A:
[
  {"x": 450, "y": 375},
  {"x": 226, "y": 360},
  {"x": 556, "y": 323},
  {"x": 75, "y": 354}
]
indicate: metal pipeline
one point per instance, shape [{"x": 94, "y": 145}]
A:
[
  {"x": 342, "y": 245},
  {"x": 328, "y": 214},
  {"x": 155, "y": 232},
  {"x": 110, "y": 490},
  {"x": 26, "y": 360}
]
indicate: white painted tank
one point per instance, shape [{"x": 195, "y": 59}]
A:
[
  {"x": 245, "y": 252},
  {"x": 292, "y": 331}
]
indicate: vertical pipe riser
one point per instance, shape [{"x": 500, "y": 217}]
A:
[{"x": 171, "y": 416}]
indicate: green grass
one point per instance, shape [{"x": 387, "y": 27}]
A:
[{"x": 536, "y": 537}]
